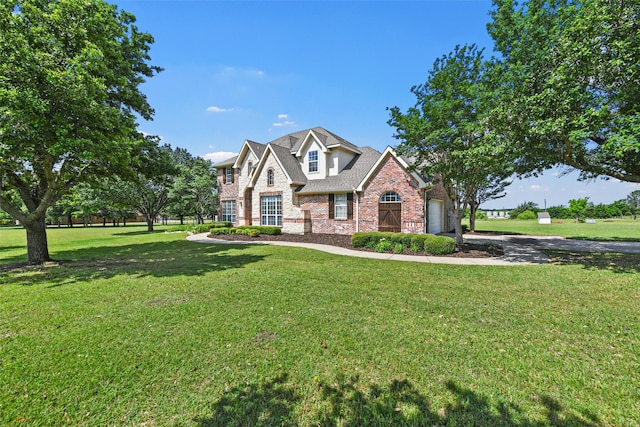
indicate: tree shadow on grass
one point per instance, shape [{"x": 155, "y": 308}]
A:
[
  {"x": 348, "y": 402},
  {"x": 268, "y": 404},
  {"x": 159, "y": 259},
  {"x": 614, "y": 262}
]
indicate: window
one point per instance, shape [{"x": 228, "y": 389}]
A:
[
  {"x": 228, "y": 175},
  {"x": 340, "y": 204},
  {"x": 250, "y": 168},
  {"x": 270, "y": 177},
  {"x": 229, "y": 210},
  {"x": 313, "y": 161},
  {"x": 271, "y": 210},
  {"x": 390, "y": 197}
]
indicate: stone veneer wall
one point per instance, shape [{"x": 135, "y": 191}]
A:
[{"x": 293, "y": 219}]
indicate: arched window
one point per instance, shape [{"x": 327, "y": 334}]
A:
[
  {"x": 270, "y": 177},
  {"x": 390, "y": 197},
  {"x": 250, "y": 168}
]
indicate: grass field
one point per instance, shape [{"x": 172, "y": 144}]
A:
[
  {"x": 620, "y": 230},
  {"x": 131, "y": 328}
]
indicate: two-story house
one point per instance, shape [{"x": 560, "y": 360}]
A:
[{"x": 314, "y": 181}]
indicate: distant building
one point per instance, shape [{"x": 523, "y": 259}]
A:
[
  {"x": 544, "y": 218},
  {"x": 497, "y": 214}
]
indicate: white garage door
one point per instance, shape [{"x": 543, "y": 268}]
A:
[{"x": 436, "y": 210}]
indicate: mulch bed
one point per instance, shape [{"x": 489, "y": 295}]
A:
[{"x": 469, "y": 250}]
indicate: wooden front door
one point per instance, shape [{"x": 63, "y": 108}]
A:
[{"x": 390, "y": 217}]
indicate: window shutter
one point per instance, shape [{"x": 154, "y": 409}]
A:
[
  {"x": 332, "y": 208},
  {"x": 350, "y": 206},
  {"x": 224, "y": 175}
]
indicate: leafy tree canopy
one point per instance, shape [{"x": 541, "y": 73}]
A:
[
  {"x": 70, "y": 72},
  {"x": 571, "y": 84},
  {"x": 447, "y": 133}
]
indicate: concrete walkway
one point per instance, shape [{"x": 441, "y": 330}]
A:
[{"x": 518, "y": 250}]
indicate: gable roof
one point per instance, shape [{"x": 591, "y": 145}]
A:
[
  {"x": 285, "y": 160},
  {"x": 327, "y": 139},
  {"x": 422, "y": 181},
  {"x": 348, "y": 178},
  {"x": 255, "y": 147}
]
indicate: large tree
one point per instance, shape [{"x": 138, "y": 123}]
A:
[
  {"x": 571, "y": 84},
  {"x": 70, "y": 72},
  {"x": 448, "y": 131},
  {"x": 147, "y": 193},
  {"x": 633, "y": 202}
]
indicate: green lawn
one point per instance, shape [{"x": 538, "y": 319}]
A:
[
  {"x": 145, "y": 329},
  {"x": 603, "y": 229}
]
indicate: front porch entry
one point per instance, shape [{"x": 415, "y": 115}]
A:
[{"x": 390, "y": 212}]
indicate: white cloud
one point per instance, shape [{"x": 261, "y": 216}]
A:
[
  {"x": 214, "y": 109},
  {"x": 219, "y": 156},
  {"x": 285, "y": 123},
  {"x": 535, "y": 187},
  {"x": 283, "y": 116}
]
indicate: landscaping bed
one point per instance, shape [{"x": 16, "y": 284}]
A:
[{"x": 469, "y": 250}]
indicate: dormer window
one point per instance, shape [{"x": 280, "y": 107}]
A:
[{"x": 313, "y": 161}]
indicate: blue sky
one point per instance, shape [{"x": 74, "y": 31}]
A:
[{"x": 257, "y": 70}]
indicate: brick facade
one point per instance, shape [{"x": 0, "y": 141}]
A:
[
  {"x": 228, "y": 191},
  {"x": 317, "y": 208},
  {"x": 391, "y": 176}
]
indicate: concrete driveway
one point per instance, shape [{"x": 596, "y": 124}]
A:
[{"x": 524, "y": 248}]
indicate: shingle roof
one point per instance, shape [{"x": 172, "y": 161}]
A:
[
  {"x": 228, "y": 162},
  {"x": 293, "y": 141},
  {"x": 290, "y": 164},
  {"x": 348, "y": 179},
  {"x": 257, "y": 148}
]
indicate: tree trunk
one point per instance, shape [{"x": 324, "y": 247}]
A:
[
  {"x": 149, "y": 224},
  {"x": 457, "y": 222},
  {"x": 37, "y": 247},
  {"x": 181, "y": 219},
  {"x": 473, "y": 209}
]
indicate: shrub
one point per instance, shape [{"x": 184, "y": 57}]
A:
[
  {"x": 175, "y": 228},
  {"x": 417, "y": 240},
  {"x": 527, "y": 215},
  {"x": 383, "y": 245},
  {"x": 360, "y": 239},
  {"x": 397, "y": 242},
  {"x": 439, "y": 245},
  {"x": 200, "y": 228},
  {"x": 222, "y": 230},
  {"x": 406, "y": 240},
  {"x": 193, "y": 228},
  {"x": 221, "y": 224},
  {"x": 371, "y": 244},
  {"x": 262, "y": 229}
]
